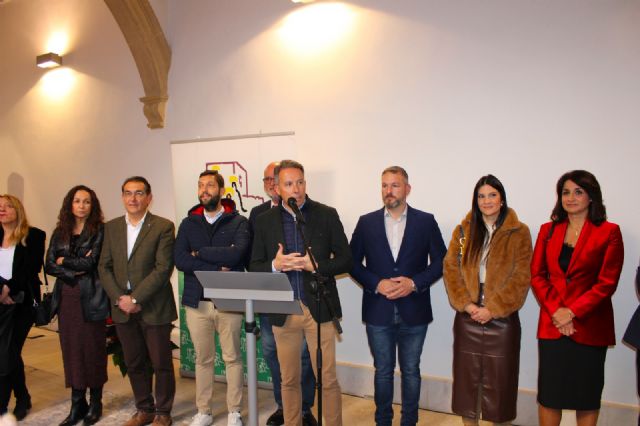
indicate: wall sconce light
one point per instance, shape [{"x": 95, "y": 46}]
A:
[
  {"x": 302, "y": 1},
  {"x": 49, "y": 60}
]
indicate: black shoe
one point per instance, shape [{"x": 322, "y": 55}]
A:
[
  {"x": 308, "y": 419},
  {"x": 79, "y": 408},
  {"x": 22, "y": 409},
  {"x": 95, "y": 407},
  {"x": 276, "y": 419}
]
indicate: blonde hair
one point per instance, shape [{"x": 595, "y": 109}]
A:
[{"x": 19, "y": 234}]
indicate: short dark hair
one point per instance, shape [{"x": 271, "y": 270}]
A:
[
  {"x": 219, "y": 178},
  {"x": 396, "y": 170},
  {"x": 139, "y": 179},
  {"x": 287, "y": 164},
  {"x": 588, "y": 182}
]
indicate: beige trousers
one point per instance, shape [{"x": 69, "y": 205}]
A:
[
  {"x": 289, "y": 345},
  {"x": 203, "y": 323}
]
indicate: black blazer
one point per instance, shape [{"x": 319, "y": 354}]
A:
[
  {"x": 328, "y": 243},
  {"x": 27, "y": 262},
  {"x": 632, "y": 335},
  {"x": 257, "y": 211}
]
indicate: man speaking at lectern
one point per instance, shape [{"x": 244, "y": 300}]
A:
[
  {"x": 278, "y": 247},
  {"x": 213, "y": 237}
]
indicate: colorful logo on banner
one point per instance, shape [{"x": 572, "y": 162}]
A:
[{"x": 237, "y": 189}]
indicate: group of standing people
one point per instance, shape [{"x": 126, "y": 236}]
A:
[
  {"x": 122, "y": 269},
  {"x": 124, "y": 263}
]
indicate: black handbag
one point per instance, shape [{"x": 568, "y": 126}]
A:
[{"x": 42, "y": 310}]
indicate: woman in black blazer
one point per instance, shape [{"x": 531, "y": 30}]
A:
[
  {"x": 632, "y": 335},
  {"x": 81, "y": 304},
  {"x": 20, "y": 262}
]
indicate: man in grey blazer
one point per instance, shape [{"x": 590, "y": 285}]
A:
[{"x": 135, "y": 267}]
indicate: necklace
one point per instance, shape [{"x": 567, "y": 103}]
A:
[{"x": 576, "y": 229}]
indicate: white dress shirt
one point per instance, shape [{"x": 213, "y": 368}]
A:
[
  {"x": 395, "y": 230},
  {"x": 132, "y": 235}
]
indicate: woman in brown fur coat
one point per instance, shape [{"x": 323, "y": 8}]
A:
[{"x": 487, "y": 276}]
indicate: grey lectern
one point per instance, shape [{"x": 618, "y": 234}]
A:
[{"x": 251, "y": 293}]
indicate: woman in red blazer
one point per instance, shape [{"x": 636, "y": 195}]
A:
[{"x": 575, "y": 269}]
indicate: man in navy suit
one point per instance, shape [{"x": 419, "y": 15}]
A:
[{"x": 403, "y": 250}]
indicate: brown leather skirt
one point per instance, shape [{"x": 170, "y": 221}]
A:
[{"x": 486, "y": 362}]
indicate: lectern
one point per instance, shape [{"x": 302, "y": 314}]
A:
[{"x": 251, "y": 293}]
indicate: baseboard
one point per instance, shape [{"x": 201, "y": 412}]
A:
[{"x": 435, "y": 395}]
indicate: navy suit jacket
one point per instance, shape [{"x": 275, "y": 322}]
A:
[{"x": 420, "y": 258}]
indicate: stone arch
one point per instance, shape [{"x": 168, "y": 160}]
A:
[{"x": 150, "y": 51}]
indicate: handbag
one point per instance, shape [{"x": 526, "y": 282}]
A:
[{"x": 42, "y": 310}]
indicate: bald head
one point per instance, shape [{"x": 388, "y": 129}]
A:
[{"x": 269, "y": 182}]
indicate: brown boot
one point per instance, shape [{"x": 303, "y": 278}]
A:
[
  {"x": 162, "y": 420},
  {"x": 140, "y": 418}
]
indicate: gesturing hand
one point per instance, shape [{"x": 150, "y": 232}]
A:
[{"x": 289, "y": 262}]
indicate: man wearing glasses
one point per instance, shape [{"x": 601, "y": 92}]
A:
[
  {"x": 135, "y": 266},
  {"x": 308, "y": 380}
]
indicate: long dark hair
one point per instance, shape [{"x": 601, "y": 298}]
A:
[
  {"x": 588, "y": 182},
  {"x": 478, "y": 230},
  {"x": 67, "y": 221}
]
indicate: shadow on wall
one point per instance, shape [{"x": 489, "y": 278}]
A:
[{"x": 15, "y": 186}]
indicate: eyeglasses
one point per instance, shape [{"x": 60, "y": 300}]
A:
[
  {"x": 268, "y": 179},
  {"x": 131, "y": 194}
]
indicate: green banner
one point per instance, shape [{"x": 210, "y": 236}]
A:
[{"x": 187, "y": 353}]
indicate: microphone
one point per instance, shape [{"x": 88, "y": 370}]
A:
[{"x": 291, "y": 202}]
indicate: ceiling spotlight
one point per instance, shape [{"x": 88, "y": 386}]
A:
[{"x": 49, "y": 60}]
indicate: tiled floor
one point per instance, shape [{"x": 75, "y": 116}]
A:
[{"x": 45, "y": 380}]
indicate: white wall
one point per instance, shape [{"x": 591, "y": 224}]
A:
[{"x": 448, "y": 89}]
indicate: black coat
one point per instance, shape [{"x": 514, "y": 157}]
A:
[
  {"x": 225, "y": 243},
  {"x": 328, "y": 244},
  {"x": 80, "y": 269},
  {"x": 27, "y": 262},
  {"x": 632, "y": 334}
]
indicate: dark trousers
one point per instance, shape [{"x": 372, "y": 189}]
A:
[
  {"x": 15, "y": 381},
  {"x": 142, "y": 343}
]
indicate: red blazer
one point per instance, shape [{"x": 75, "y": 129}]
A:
[{"x": 587, "y": 286}]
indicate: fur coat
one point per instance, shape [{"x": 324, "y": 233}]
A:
[{"x": 508, "y": 269}]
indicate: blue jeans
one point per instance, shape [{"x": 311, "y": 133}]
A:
[
  {"x": 383, "y": 341},
  {"x": 308, "y": 382}
]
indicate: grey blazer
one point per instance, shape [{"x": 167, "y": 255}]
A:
[{"x": 148, "y": 269}]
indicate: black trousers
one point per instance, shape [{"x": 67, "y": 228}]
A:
[
  {"x": 141, "y": 343},
  {"x": 15, "y": 381}
]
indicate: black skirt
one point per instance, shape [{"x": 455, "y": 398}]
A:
[{"x": 570, "y": 374}]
